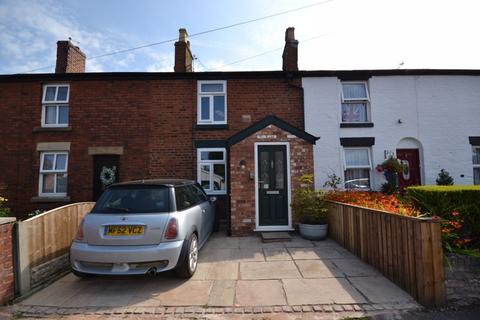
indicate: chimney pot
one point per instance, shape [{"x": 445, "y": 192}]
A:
[
  {"x": 290, "y": 51},
  {"x": 70, "y": 59},
  {"x": 290, "y": 34},
  {"x": 183, "y": 55},
  {"x": 182, "y": 35}
]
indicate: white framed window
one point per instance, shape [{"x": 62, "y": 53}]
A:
[
  {"x": 476, "y": 164},
  {"x": 212, "y": 170},
  {"x": 212, "y": 102},
  {"x": 53, "y": 174},
  {"x": 355, "y": 102},
  {"x": 357, "y": 168},
  {"x": 55, "y": 107}
]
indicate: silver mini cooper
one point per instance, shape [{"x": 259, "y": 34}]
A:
[{"x": 144, "y": 227}]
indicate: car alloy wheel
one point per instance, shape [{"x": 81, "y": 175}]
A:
[{"x": 193, "y": 254}]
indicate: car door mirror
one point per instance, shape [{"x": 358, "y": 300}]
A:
[{"x": 212, "y": 199}]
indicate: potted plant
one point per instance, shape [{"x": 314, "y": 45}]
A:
[{"x": 310, "y": 210}]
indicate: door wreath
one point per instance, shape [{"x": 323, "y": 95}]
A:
[{"x": 107, "y": 175}]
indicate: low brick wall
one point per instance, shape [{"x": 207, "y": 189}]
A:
[
  {"x": 462, "y": 279},
  {"x": 6, "y": 260}
]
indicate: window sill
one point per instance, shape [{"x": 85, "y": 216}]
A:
[
  {"x": 50, "y": 199},
  {"x": 52, "y": 129},
  {"x": 211, "y": 127},
  {"x": 356, "y": 125},
  {"x": 213, "y": 194}
]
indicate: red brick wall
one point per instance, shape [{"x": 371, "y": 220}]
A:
[
  {"x": 70, "y": 59},
  {"x": 6, "y": 262},
  {"x": 243, "y": 188},
  {"x": 153, "y": 120}
]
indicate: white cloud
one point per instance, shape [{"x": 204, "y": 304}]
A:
[
  {"x": 29, "y": 31},
  {"x": 160, "y": 62}
]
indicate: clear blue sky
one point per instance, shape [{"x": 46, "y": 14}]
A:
[{"x": 358, "y": 34}]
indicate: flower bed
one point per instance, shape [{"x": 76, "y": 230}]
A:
[
  {"x": 456, "y": 235},
  {"x": 374, "y": 200}
]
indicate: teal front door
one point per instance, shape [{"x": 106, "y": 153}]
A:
[{"x": 272, "y": 185}]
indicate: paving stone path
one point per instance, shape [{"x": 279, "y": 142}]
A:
[{"x": 235, "y": 276}]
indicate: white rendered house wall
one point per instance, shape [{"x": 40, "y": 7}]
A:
[{"x": 436, "y": 114}]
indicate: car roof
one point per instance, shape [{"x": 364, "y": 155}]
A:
[{"x": 156, "y": 182}]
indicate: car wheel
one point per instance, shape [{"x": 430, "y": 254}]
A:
[
  {"x": 82, "y": 275},
  {"x": 188, "y": 266}
]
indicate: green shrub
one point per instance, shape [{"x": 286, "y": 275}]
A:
[
  {"x": 458, "y": 205},
  {"x": 4, "y": 211},
  {"x": 444, "y": 178},
  {"x": 439, "y": 200},
  {"x": 308, "y": 204}
]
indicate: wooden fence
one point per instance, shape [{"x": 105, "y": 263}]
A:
[
  {"x": 406, "y": 250},
  {"x": 47, "y": 236}
]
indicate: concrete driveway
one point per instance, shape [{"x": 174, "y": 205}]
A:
[{"x": 237, "y": 276}]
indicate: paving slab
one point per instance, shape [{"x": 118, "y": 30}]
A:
[
  {"x": 276, "y": 254},
  {"x": 268, "y": 270},
  {"x": 216, "y": 255},
  {"x": 223, "y": 271},
  {"x": 259, "y": 293},
  {"x": 116, "y": 293},
  {"x": 355, "y": 267},
  {"x": 137, "y": 301},
  {"x": 222, "y": 294},
  {"x": 57, "y": 293},
  {"x": 222, "y": 242},
  {"x": 256, "y": 242},
  {"x": 299, "y": 243},
  {"x": 303, "y": 253},
  {"x": 187, "y": 293},
  {"x": 245, "y": 255},
  {"x": 380, "y": 290},
  {"x": 321, "y": 291},
  {"x": 318, "y": 269}
]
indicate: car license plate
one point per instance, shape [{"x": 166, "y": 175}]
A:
[{"x": 124, "y": 230}]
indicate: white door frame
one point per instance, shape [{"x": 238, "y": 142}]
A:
[{"x": 289, "y": 190}]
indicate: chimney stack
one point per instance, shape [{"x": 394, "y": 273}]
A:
[
  {"x": 183, "y": 55},
  {"x": 70, "y": 59},
  {"x": 290, "y": 52}
]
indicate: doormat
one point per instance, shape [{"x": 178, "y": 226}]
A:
[{"x": 275, "y": 236}]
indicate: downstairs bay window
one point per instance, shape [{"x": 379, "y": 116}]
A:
[
  {"x": 212, "y": 173},
  {"x": 357, "y": 167},
  {"x": 53, "y": 174}
]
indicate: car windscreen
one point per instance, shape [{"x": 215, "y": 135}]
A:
[{"x": 133, "y": 199}]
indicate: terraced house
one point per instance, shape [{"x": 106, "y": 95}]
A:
[
  {"x": 247, "y": 137},
  {"x": 66, "y": 136},
  {"x": 426, "y": 118}
]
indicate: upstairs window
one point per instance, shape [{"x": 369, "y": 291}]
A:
[
  {"x": 357, "y": 168},
  {"x": 355, "y": 102},
  {"x": 476, "y": 164},
  {"x": 55, "y": 105},
  {"x": 212, "y": 102},
  {"x": 53, "y": 174},
  {"x": 212, "y": 170}
]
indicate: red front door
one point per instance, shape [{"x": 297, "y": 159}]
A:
[{"x": 411, "y": 173}]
